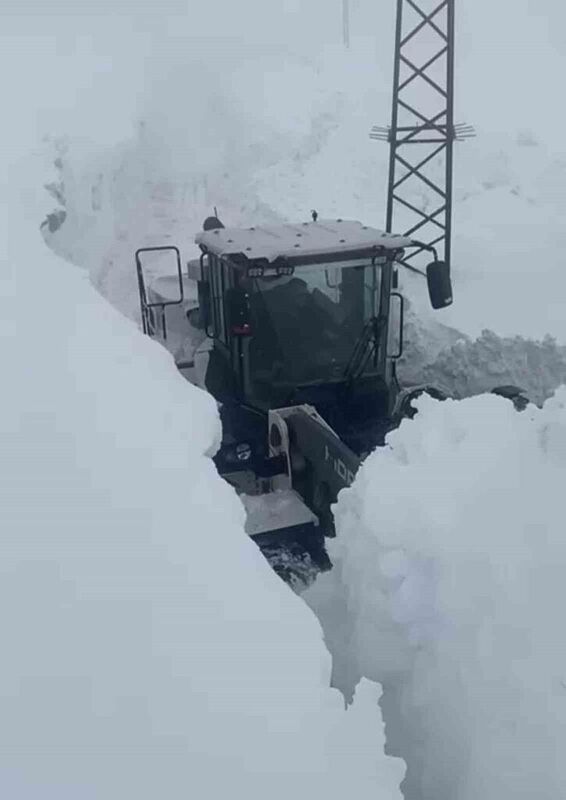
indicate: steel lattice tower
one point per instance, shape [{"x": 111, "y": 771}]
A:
[{"x": 422, "y": 130}]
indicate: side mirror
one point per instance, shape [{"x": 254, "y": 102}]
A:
[
  {"x": 439, "y": 284},
  {"x": 238, "y": 312}
]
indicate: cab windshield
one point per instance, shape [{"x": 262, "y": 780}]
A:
[{"x": 308, "y": 324}]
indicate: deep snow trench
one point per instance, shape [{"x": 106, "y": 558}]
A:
[
  {"x": 447, "y": 587},
  {"x": 443, "y": 588}
]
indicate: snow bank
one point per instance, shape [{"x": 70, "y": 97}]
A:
[
  {"x": 469, "y": 368},
  {"x": 449, "y": 588},
  {"x": 148, "y": 650},
  {"x": 440, "y": 356}
]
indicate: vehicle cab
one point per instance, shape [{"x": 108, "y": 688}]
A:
[
  {"x": 292, "y": 314},
  {"x": 293, "y": 309}
]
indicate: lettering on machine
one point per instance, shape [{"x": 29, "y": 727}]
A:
[{"x": 340, "y": 468}]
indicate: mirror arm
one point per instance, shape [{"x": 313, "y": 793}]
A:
[{"x": 430, "y": 248}]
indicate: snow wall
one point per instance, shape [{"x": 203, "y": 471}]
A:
[
  {"x": 148, "y": 650},
  {"x": 448, "y": 588}
]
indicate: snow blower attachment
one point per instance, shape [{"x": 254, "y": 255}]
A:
[{"x": 296, "y": 331}]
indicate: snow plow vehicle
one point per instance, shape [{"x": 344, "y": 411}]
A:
[{"x": 296, "y": 331}]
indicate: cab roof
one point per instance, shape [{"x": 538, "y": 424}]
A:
[{"x": 303, "y": 239}]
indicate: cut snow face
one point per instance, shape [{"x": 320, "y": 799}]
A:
[{"x": 448, "y": 587}]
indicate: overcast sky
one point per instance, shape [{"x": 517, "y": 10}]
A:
[{"x": 87, "y": 67}]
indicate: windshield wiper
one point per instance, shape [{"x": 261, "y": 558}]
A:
[{"x": 365, "y": 348}]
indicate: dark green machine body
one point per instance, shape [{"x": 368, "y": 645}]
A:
[{"x": 325, "y": 331}]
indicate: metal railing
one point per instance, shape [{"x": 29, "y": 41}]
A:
[{"x": 149, "y": 310}]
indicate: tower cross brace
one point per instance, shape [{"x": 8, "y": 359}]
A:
[{"x": 422, "y": 132}]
